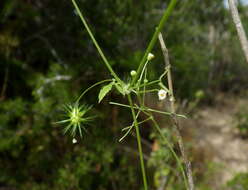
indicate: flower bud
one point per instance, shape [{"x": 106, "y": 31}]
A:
[
  {"x": 150, "y": 56},
  {"x": 74, "y": 141},
  {"x": 199, "y": 94},
  {"x": 133, "y": 73},
  {"x": 172, "y": 99}
]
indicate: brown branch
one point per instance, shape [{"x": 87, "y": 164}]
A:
[
  {"x": 167, "y": 65},
  {"x": 239, "y": 27},
  {"x": 175, "y": 120}
]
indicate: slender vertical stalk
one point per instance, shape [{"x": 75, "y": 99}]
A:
[
  {"x": 239, "y": 27},
  {"x": 139, "y": 142},
  {"x": 167, "y": 65},
  {"x": 175, "y": 120},
  {"x": 165, "y": 17},
  {"x": 95, "y": 43}
]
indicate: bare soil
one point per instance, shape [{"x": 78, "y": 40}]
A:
[{"x": 217, "y": 140}]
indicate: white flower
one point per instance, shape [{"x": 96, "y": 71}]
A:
[
  {"x": 150, "y": 56},
  {"x": 162, "y": 94},
  {"x": 74, "y": 141}
]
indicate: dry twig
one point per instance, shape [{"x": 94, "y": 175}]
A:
[
  {"x": 239, "y": 27},
  {"x": 175, "y": 120}
]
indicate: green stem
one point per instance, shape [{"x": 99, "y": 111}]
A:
[
  {"x": 166, "y": 15},
  {"x": 148, "y": 109},
  {"x": 140, "y": 108},
  {"x": 147, "y": 91},
  {"x": 143, "y": 70},
  {"x": 95, "y": 43},
  {"x": 98, "y": 83},
  {"x": 149, "y": 83},
  {"x": 139, "y": 142},
  {"x": 131, "y": 127},
  {"x": 166, "y": 141},
  {"x": 171, "y": 149},
  {"x": 127, "y": 128}
]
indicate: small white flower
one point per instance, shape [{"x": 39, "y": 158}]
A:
[
  {"x": 150, "y": 56},
  {"x": 162, "y": 94},
  {"x": 74, "y": 141}
]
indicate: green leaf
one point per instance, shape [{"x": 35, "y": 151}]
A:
[{"x": 104, "y": 91}]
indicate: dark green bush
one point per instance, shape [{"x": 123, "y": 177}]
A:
[{"x": 47, "y": 59}]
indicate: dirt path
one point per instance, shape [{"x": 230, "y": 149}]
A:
[{"x": 214, "y": 132}]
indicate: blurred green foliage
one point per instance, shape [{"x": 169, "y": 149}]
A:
[
  {"x": 46, "y": 59},
  {"x": 239, "y": 182},
  {"x": 242, "y": 118},
  {"x": 166, "y": 170}
]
